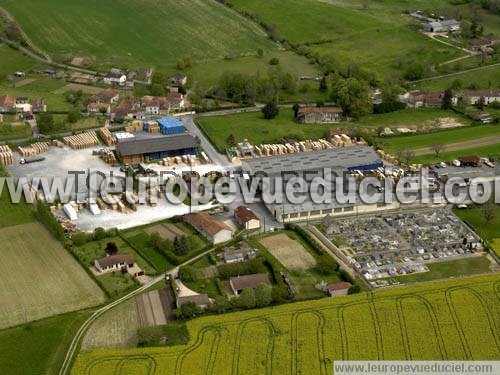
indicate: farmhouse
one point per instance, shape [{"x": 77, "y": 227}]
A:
[
  {"x": 239, "y": 283},
  {"x": 114, "y": 262},
  {"x": 425, "y": 99},
  {"x": 106, "y": 96},
  {"x": 212, "y": 229},
  {"x": 338, "y": 289},
  {"x": 474, "y": 96},
  {"x": 38, "y": 105},
  {"x": 96, "y": 108},
  {"x": 162, "y": 105},
  {"x": 126, "y": 110},
  {"x": 246, "y": 218},
  {"x": 442, "y": 26},
  {"x": 200, "y": 300},
  {"x": 7, "y": 104},
  {"x": 321, "y": 115},
  {"x": 115, "y": 78},
  {"x": 143, "y": 149}
]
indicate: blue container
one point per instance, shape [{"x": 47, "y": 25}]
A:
[{"x": 170, "y": 126}]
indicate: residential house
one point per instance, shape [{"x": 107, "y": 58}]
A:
[
  {"x": 95, "y": 108},
  {"x": 239, "y": 283},
  {"x": 114, "y": 263},
  {"x": 474, "y": 96},
  {"x": 319, "y": 115},
  {"x": 115, "y": 78},
  {"x": 246, "y": 218},
  {"x": 178, "y": 79},
  {"x": 144, "y": 74},
  {"x": 126, "y": 110},
  {"x": 23, "y": 104},
  {"x": 212, "y": 229},
  {"x": 445, "y": 26},
  {"x": 240, "y": 254},
  {"x": 338, "y": 289},
  {"x": 200, "y": 300},
  {"x": 38, "y": 105},
  {"x": 106, "y": 96},
  {"x": 7, "y": 104}
]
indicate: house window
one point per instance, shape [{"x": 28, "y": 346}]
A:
[
  {"x": 294, "y": 215},
  {"x": 348, "y": 209},
  {"x": 315, "y": 212},
  {"x": 327, "y": 211},
  {"x": 303, "y": 214},
  {"x": 338, "y": 210}
]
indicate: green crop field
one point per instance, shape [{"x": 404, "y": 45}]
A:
[
  {"x": 352, "y": 34},
  {"x": 256, "y": 129},
  {"x": 455, "y": 319},
  {"x": 137, "y": 33},
  {"x": 39, "y": 277}
]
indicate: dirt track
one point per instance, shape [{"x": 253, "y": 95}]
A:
[{"x": 485, "y": 141}]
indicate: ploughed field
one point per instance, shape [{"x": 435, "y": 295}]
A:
[{"x": 456, "y": 319}]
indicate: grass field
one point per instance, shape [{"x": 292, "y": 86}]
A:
[
  {"x": 256, "y": 129},
  {"x": 39, "y": 347},
  {"x": 13, "y": 214},
  {"x": 13, "y": 61},
  {"x": 455, "y": 319},
  {"x": 137, "y": 33},
  {"x": 39, "y": 277},
  {"x": 393, "y": 144},
  {"x": 353, "y": 35},
  {"x": 484, "y": 151},
  {"x": 488, "y": 77}
]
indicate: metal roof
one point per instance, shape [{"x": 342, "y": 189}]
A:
[
  {"x": 169, "y": 122},
  {"x": 156, "y": 144},
  {"x": 335, "y": 158}
]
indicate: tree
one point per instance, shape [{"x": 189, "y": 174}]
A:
[
  {"x": 181, "y": 245},
  {"x": 46, "y": 122},
  {"x": 246, "y": 300},
  {"x": 99, "y": 233},
  {"x": 489, "y": 211},
  {"x": 221, "y": 305},
  {"x": 274, "y": 61},
  {"x": 480, "y": 103},
  {"x": 270, "y": 110},
  {"x": 326, "y": 265},
  {"x": 79, "y": 238},
  {"x": 414, "y": 71},
  {"x": 230, "y": 141},
  {"x": 111, "y": 248},
  {"x": 406, "y": 155},
  {"x": 295, "y": 108},
  {"x": 155, "y": 240},
  {"x": 447, "y": 102},
  {"x": 73, "y": 116},
  {"x": 263, "y": 295},
  {"x": 323, "y": 84},
  {"x": 437, "y": 148},
  {"x": 158, "y": 78},
  {"x": 157, "y": 89},
  {"x": 188, "y": 310},
  {"x": 188, "y": 273},
  {"x": 353, "y": 96},
  {"x": 260, "y": 52}
]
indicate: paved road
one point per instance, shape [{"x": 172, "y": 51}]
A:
[{"x": 73, "y": 348}]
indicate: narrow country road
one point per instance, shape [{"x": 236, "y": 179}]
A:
[
  {"x": 75, "y": 343},
  {"x": 456, "y": 73}
]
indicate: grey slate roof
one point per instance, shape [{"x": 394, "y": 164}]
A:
[
  {"x": 339, "y": 157},
  {"x": 155, "y": 144}
]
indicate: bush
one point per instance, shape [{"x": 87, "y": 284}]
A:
[
  {"x": 242, "y": 268},
  {"x": 246, "y": 299},
  {"x": 263, "y": 295},
  {"x": 79, "y": 238},
  {"x": 188, "y": 273},
  {"x": 326, "y": 265},
  {"x": 44, "y": 215},
  {"x": 274, "y": 61},
  {"x": 188, "y": 310}
]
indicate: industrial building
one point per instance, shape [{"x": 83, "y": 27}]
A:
[
  {"x": 310, "y": 165},
  {"x": 149, "y": 148}
]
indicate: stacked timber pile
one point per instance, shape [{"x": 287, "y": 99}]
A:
[
  {"x": 107, "y": 137},
  {"x": 6, "y": 157},
  {"x": 179, "y": 160},
  {"x": 134, "y": 126},
  {"x": 81, "y": 141},
  {"x": 107, "y": 155},
  {"x": 153, "y": 128},
  {"x": 290, "y": 148},
  {"x": 57, "y": 143},
  {"x": 34, "y": 149}
]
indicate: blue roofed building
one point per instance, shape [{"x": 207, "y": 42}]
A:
[{"x": 170, "y": 126}]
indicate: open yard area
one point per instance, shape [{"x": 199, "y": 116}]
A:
[
  {"x": 289, "y": 252},
  {"x": 39, "y": 277},
  {"x": 199, "y": 29},
  {"x": 451, "y": 319}
]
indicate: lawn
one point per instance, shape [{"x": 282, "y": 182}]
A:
[
  {"x": 139, "y": 240},
  {"x": 256, "y": 129},
  {"x": 83, "y": 123},
  {"x": 484, "y": 151},
  {"x": 453, "y": 319},
  {"x": 452, "y": 268},
  {"x": 39, "y": 277},
  {"x": 137, "y": 33},
  {"x": 39, "y": 347},
  {"x": 13, "y": 214},
  {"x": 13, "y": 61}
]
